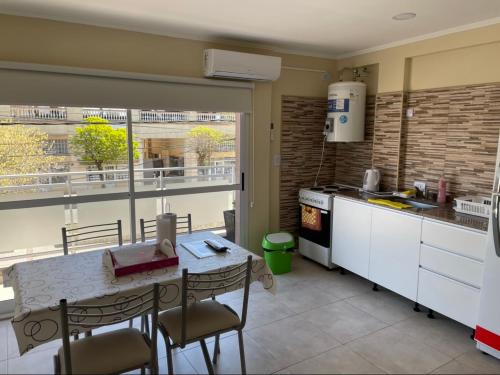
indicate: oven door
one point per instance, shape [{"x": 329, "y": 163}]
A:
[{"x": 315, "y": 225}]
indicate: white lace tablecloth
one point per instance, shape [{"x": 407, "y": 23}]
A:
[{"x": 81, "y": 278}]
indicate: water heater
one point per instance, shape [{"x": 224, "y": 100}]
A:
[{"x": 346, "y": 112}]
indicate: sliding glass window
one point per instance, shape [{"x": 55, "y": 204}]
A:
[
  {"x": 68, "y": 167},
  {"x": 188, "y": 163}
]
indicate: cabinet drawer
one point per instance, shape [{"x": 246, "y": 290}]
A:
[
  {"x": 457, "y": 240},
  {"x": 452, "y": 265},
  {"x": 448, "y": 297}
]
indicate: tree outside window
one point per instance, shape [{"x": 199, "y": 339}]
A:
[
  {"x": 99, "y": 144},
  {"x": 23, "y": 151},
  {"x": 205, "y": 141}
]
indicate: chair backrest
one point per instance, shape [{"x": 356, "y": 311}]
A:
[
  {"x": 227, "y": 279},
  {"x": 148, "y": 227},
  {"x": 71, "y": 237},
  {"x": 90, "y": 317}
]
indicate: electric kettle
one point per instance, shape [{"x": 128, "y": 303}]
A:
[{"x": 371, "y": 181}]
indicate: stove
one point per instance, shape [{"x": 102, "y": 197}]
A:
[
  {"x": 321, "y": 196},
  {"x": 316, "y": 213}
]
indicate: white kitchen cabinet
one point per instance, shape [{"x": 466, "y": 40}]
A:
[
  {"x": 394, "y": 251},
  {"x": 451, "y": 270},
  {"x": 351, "y": 235},
  {"x": 451, "y": 298},
  {"x": 466, "y": 270},
  {"x": 467, "y": 242}
]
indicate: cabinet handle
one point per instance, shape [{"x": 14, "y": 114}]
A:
[{"x": 496, "y": 229}]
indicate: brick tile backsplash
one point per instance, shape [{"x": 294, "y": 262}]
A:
[
  {"x": 453, "y": 131},
  {"x": 354, "y": 158},
  {"x": 387, "y": 138},
  {"x": 302, "y": 124}
]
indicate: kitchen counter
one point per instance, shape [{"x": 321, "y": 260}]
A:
[{"x": 444, "y": 212}]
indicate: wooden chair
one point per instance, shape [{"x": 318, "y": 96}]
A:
[
  {"x": 71, "y": 237},
  {"x": 197, "y": 321},
  {"x": 114, "y": 352},
  {"x": 148, "y": 227}
]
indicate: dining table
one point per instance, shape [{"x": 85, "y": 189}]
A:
[{"x": 84, "y": 278}]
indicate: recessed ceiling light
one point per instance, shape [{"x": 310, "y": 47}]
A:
[{"x": 404, "y": 16}]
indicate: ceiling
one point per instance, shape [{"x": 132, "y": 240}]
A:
[{"x": 315, "y": 27}]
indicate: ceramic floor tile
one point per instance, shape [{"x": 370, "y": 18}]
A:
[
  {"x": 340, "y": 360},
  {"x": 386, "y": 306},
  {"x": 395, "y": 352},
  {"x": 483, "y": 363},
  {"x": 258, "y": 360},
  {"x": 343, "y": 286},
  {"x": 446, "y": 335},
  {"x": 300, "y": 298},
  {"x": 264, "y": 308},
  {"x": 255, "y": 288},
  {"x": 303, "y": 271},
  {"x": 4, "y": 340},
  {"x": 455, "y": 367},
  {"x": 181, "y": 365},
  {"x": 343, "y": 321},
  {"x": 40, "y": 362},
  {"x": 293, "y": 339},
  {"x": 161, "y": 344}
]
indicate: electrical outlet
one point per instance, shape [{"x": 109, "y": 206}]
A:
[{"x": 420, "y": 185}]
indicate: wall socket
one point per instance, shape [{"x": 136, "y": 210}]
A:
[
  {"x": 276, "y": 160},
  {"x": 420, "y": 185}
]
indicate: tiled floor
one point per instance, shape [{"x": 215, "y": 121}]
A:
[{"x": 319, "y": 322}]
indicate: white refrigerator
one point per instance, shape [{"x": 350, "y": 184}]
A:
[{"x": 488, "y": 326}]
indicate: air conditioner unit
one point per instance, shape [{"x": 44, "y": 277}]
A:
[{"x": 219, "y": 63}]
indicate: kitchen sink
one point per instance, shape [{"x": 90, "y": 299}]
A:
[{"x": 421, "y": 205}]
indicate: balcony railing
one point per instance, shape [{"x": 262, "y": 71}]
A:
[
  {"x": 165, "y": 116},
  {"x": 111, "y": 114},
  {"x": 40, "y": 113},
  {"x": 117, "y": 114},
  {"x": 226, "y": 146},
  {"x": 45, "y": 221},
  {"x": 69, "y": 183}
]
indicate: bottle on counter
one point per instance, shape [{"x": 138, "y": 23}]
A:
[{"x": 441, "y": 198}]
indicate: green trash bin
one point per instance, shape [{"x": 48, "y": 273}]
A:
[{"x": 278, "y": 249}]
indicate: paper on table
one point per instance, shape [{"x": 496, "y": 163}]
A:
[{"x": 199, "y": 249}]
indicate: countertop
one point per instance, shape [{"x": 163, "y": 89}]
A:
[{"x": 444, "y": 212}]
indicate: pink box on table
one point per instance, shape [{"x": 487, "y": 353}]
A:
[{"x": 159, "y": 260}]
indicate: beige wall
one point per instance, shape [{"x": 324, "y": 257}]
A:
[
  {"x": 466, "y": 57},
  {"x": 471, "y": 65},
  {"x": 58, "y": 43},
  {"x": 455, "y": 59}
]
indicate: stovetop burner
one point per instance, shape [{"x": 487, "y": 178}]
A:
[{"x": 331, "y": 189}]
